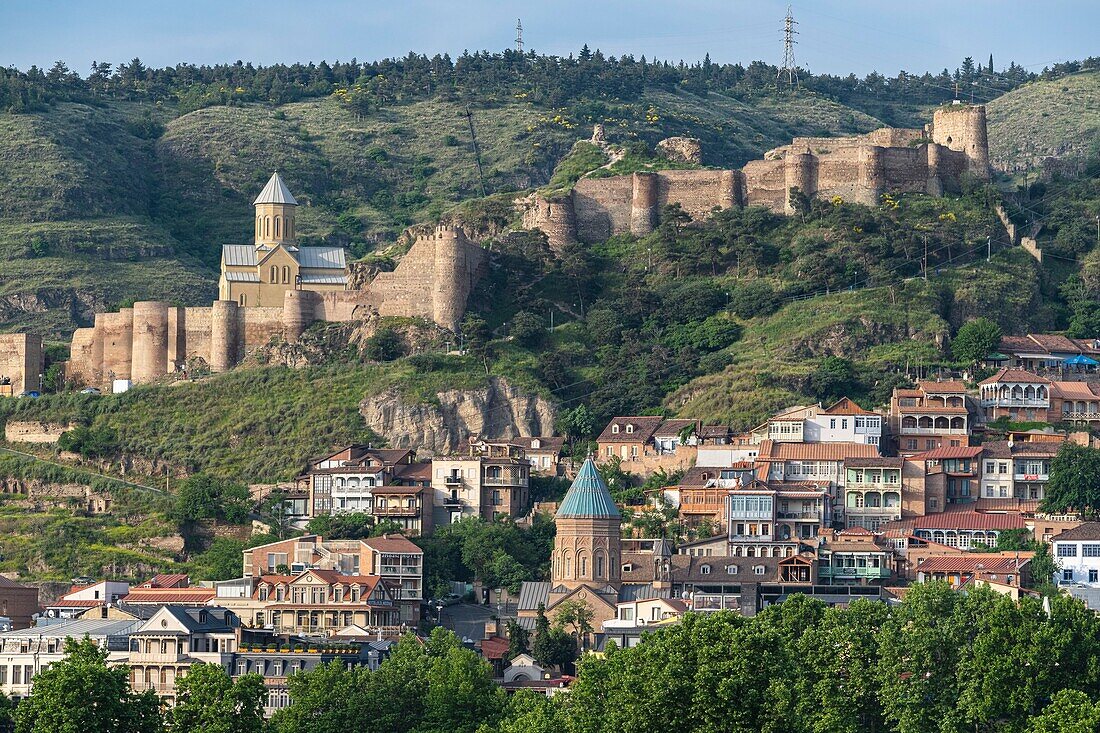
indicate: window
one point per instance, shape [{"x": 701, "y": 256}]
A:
[
  {"x": 627, "y": 614},
  {"x": 1093, "y": 573},
  {"x": 629, "y": 428},
  {"x": 1067, "y": 575},
  {"x": 832, "y": 423},
  {"x": 844, "y": 424},
  {"x": 274, "y": 274},
  {"x": 989, "y": 467},
  {"x": 704, "y": 569},
  {"x": 1090, "y": 550},
  {"x": 1066, "y": 549},
  {"x": 872, "y": 440},
  {"x": 911, "y": 444},
  {"x": 242, "y": 667},
  {"x": 615, "y": 429},
  {"x": 758, "y": 569},
  {"x": 860, "y": 423},
  {"x": 286, "y": 275},
  {"x": 731, "y": 570}
]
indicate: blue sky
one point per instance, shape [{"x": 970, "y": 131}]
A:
[{"x": 837, "y": 37}]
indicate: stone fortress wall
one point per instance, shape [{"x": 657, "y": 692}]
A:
[
  {"x": 858, "y": 168},
  {"x": 21, "y": 362},
  {"x": 143, "y": 343}
]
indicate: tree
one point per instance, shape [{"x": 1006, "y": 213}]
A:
[
  {"x": 81, "y": 694},
  {"x": 90, "y": 442},
  {"x": 552, "y": 646},
  {"x": 209, "y": 701},
  {"x": 476, "y": 332},
  {"x": 528, "y": 330},
  {"x": 385, "y": 344},
  {"x": 1042, "y": 567},
  {"x": 203, "y": 496},
  {"x": 575, "y": 614},
  {"x": 976, "y": 340},
  {"x": 1069, "y": 711},
  {"x": 1074, "y": 480},
  {"x": 834, "y": 378},
  {"x": 275, "y": 512},
  {"x": 518, "y": 640}
]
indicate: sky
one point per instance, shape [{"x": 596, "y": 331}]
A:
[{"x": 834, "y": 36}]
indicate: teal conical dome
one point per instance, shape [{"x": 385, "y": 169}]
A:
[{"x": 588, "y": 496}]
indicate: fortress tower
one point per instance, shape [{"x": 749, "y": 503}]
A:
[
  {"x": 275, "y": 208},
  {"x": 962, "y": 127}
]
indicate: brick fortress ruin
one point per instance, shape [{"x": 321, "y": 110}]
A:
[
  {"x": 274, "y": 291},
  {"x": 858, "y": 168}
]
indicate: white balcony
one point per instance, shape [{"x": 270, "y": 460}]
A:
[
  {"x": 1015, "y": 402},
  {"x": 933, "y": 431}
]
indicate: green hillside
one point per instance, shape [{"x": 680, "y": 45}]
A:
[{"x": 1043, "y": 118}]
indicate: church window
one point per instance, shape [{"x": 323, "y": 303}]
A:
[
  {"x": 599, "y": 565},
  {"x": 567, "y": 560},
  {"x": 286, "y": 275},
  {"x": 267, "y": 226},
  {"x": 242, "y": 298},
  {"x": 274, "y": 274},
  {"x": 289, "y": 228},
  {"x": 278, "y": 222},
  {"x": 582, "y": 564}
]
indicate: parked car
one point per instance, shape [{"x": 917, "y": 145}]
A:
[
  {"x": 450, "y": 599},
  {"x": 32, "y": 393},
  {"x": 90, "y": 390}
]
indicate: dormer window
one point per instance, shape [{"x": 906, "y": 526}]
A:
[
  {"x": 615, "y": 429},
  {"x": 535, "y": 443},
  {"x": 629, "y": 428},
  {"x": 731, "y": 570},
  {"x": 704, "y": 569}
]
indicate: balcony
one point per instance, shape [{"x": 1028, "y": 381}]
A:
[
  {"x": 1081, "y": 415},
  {"x": 864, "y": 511},
  {"x": 396, "y": 511},
  {"x": 933, "y": 431},
  {"x": 504, "y": 481},
  {"x": 1014, "y": 402},
  {"x": 808, "y": 516},
  {"x": 1031, "y": 477},
  {"x": 400, "y": 569},
  {"x": 829, "y": 571},
  {"x": 452, "y": 480}
]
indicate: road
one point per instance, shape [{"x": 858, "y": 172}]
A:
[{"x": 468, "y": 620}]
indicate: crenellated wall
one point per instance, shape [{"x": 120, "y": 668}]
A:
[
  {"x": 152, "y": 339},
  {"x": 859, "y": 168}
]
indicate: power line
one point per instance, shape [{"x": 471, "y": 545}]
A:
[{"x": 788, "y": 50}]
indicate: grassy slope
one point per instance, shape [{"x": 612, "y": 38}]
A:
[{"x": 1043, "y": 118}]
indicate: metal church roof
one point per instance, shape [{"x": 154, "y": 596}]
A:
[
  {"x": 275, "y": 192},
  {"x": 588, "y": 496}
]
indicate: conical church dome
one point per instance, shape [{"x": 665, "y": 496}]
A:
[
  {"x": 275, "y": 192},
  {"x": 588, "y": 496}
]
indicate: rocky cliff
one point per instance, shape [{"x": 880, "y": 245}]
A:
[{"x": 497, "y": 410}]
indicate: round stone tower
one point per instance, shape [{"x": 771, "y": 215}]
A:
[
  {"x": 872, "y": 174},
  {"x": 588, "y": 544},
  {"x": 450, "y": 284},
  {"x": 798, "y": 172},
  {"x": 962, "y": 127},
  {"x": 933, "y": 184},
  {"x": 150, "y": 356},
  {"x": 297, "y": 313},
  {"x": 223, "y": 335},
  {"x": 643, "y": 204},
  {"x": 275, "y": 207},
  {"x": 729, "y": 189}
]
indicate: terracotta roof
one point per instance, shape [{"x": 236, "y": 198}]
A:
[
  {"x": 495, "y": 647},
  {"x": 1087, "y": 346},
  {"x": 773, "y": 451},
  {"x": 166, "y": 580},
  {"x": 951, "y": 386},
  {"x": 168, "y": 595},
  {"x": 546, "y": 443},
  {"x": 906, "y": 392},
  {"x": 845, "y": 406},
  {"x": 1016, "y": 343},
  {"x": 1015, "y": 376},
  {"x": 392, "y": 543},
  {"x": 1083, "y": 531},
  {"x": 69, "y": 603},
  {"x": 715, "y": 431},
  {"x": 971, "y": 562},
  {"x": 413, "y": 471},
  {"x": 672, "y": 428},
  {"x": 1053, "y": 342},
  {"x": 966, "y": 519},
  {"x": 644, "y": 425},
  {"x": 949, "y": 451},
  {"x": 1073, "y": 390}
]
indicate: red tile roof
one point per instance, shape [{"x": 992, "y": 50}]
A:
[
  {"x": 392, "y": 543},
  {"x": 953, "y": 386},
  {"x": 672, "y": 428},
  {"x": 971, "y": 562},
  {"x": 949, "y": 451},
  {"x": 967, "y": 520},
  {"x": 1015, "y": 376},
  {"x": 845, "y": 406},
  {"x": 1073, "y": 390},
  {"x": 643, "y": 427},
  {"x": 166, "y": 580},
  {"x": 772, "y": 451},
  {"x": 168, "y": 595}
]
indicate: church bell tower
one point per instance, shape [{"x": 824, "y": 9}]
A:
[{"x": 275, "y": 208}]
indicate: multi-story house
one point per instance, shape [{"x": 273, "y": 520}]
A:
[
  {"x": 997, "y": 474},
  {"x": 956, "y": 469},
  {"x": 1016, "y": 395},
  {"x": 628, "y": 438},
  {"x": 720, "y": 446},
  {"x": 81, "y": 598},
  {"x": 482, "y": 479},
  {"x": 174, "y": 638},
  {"x": 701, "y": 494},
  {"x": 872, "y": 491},
  {"x": 26, "y": 652},
  {"x": 820, "y": 463},
  {"x": 544, "y": 453},
  {"x": 395, "y": 559},
  {"x": 1077, "y": 552},
  {"x": 1075, "y": 402},
  {"x": 765, "y": 519},
  {"x": 842, "y": 422},
  {"x": 851, "y": 556},
  {"x": 382, "y": 483},
  {"x": 1049, "y": 354},
  {"x": 934, "y": 415},
  {"x": 965, "y": 529},
  {"x": 1028, "y": 465},
  {"x": 1009, "y": 568},
  {"x": 322, "y": 602},
  {"x": 646, "y": 443}
]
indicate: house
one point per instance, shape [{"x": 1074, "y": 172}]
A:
[
  {"x": 700, "y": 496},
  {"x": 934, "y": 415},
  {"x": 168, "y": 589},
  {"x": 953, "y": 472},
  {"x": 480, "y": 479},
  {"x": 163, "y": 648},
  {"x": 1077, "y": 552},
  {"x": 627, "y": 437},
  {"x": 1015, "y": 394},
  {"x": 964, "y": 528},
  {"x": 820, "y": 463},
  {"x": 842, "y": 422},
  {"x": 634, "y": 618},
  {"x": 764, "y": 517},
  {"x": 1008, "y": 568},
  {"x": 1029, "y": 469},
  {"x": 852, "y": 556},
  {"x": 1075, "y": 402},
  {"x": 1049, "y": 353},
  {"x": 720, "y": 446},
  {"x": 872, "y": 491},
  {"x": 80, "y": 598},
  {"x": 523, "y": 668},
  {"x": 395, "y": 559},
  {"x": 647, "y": 443},
  {"x": 544, "y": 452},
  {"x": 18, "y": 603},
  {"x": 321, "y": 602},
  {"x": 385, "y": 483},
  {"x": 26, "y": 652}
]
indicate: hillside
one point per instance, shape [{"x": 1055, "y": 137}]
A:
[
  {"x": 1060, "y": 117},
  {"x": 97, "y": 203}
]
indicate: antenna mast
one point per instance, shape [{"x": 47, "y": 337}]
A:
[
  {"x": 519, "y": 36},
  {"x": 788, "y": 50}
]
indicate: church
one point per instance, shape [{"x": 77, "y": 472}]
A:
[{"x": 259, "y": 274}]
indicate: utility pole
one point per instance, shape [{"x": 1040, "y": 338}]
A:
[
  {"x": 519, "y": 36},
  {"x": 924, "y": 264},
  {"x": 477, "y": 150},
  {"x": 788, "y": 50},
  {"x": 988, "y": 248}
]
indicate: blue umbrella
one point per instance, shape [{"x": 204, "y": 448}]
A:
[{"x": 1081, "y": 360}]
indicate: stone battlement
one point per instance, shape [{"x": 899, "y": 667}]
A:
[{"x": 858, "y": 168}]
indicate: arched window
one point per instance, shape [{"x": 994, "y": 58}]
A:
[
  {"x": 267, "y": 226},
  {"x": 567, "y": 562},
  {"x": 259, "y": 227},
  {"x": 242, "y": 298},
  {"x": 274, "y": 274},
  {"x": 278, "y": 222},
  {"x": 599, "y": 566},
  {"x": 289, "y": 228},
  {"x": 286, "y": 275},
  {"x": 582, "y": 564}
]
